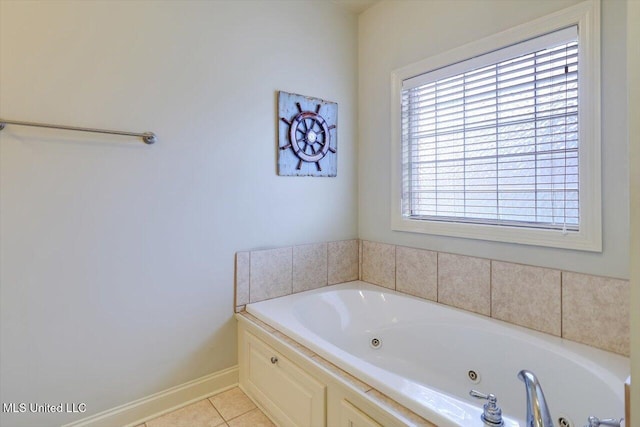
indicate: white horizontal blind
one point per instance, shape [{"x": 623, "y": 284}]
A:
[{"x": 498, "y": 142}]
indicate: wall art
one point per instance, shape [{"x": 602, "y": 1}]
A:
[{"x": 307, "y": 136}]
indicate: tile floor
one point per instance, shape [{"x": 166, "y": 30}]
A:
[{"x": 231, "y": 408}]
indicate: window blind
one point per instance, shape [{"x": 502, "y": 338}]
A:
[{"x": 494, "y": 140}]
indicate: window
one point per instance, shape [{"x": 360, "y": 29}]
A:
[
  {"x": 496, "y": 144},
  {"x": 503, "y": 145}
]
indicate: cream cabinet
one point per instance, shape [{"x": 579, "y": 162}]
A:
[
  {"x": 290, "y": 395},
  {"x": 295, "y": 390},
  {"x": 350, "y": 416}
]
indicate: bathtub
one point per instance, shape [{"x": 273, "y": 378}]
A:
[{"x": 428, "y": 357}]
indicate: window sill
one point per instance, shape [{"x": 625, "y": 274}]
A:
[{"x": 582, "y": 240}]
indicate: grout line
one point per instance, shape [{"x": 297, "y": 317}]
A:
[
  {"x": 360, "y": 258},
  {"x": 437, "y": 276},
  {"x": 234, "y": 417},
  {"x": 214, "y": 406},
  {"x": 395, "y": 267},
  {"x": 208, "y": 399},
  {"x": 326, "y": 283},
  {"x": 244, "y": 413},
  {"x": 561, "y": 305},
  {"x": 291, "y": 271},
  {"x": 491, "y": 288}
]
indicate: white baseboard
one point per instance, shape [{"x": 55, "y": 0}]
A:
[{"x": 141, "y": 410}]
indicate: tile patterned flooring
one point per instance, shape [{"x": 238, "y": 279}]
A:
[{"x": 231, "y": 408}]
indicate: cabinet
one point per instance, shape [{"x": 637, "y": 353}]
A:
[
  {"x": 350, "y": 416},
  {"x": 295, "y": 390},
  {"x": 290, "y": 395}
]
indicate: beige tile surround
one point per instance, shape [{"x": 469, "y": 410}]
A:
[
  {"x": 379, "y": 264},
  {"x": 270, "y": 273},
  {"x": 526, "y": 296},
  {"x": 592, "y": 310},
  {"x": 417, "y": 272},
  {"x": 464, "y": 282}
]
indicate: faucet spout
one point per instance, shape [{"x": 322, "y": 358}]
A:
[{"x": 537, "y": 410}]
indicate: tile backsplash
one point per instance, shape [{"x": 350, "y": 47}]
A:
[
  {"x": 310, "y": 267},
  {"x": 592, "y": 310},
  {"x": 526, "y": 296},
  {"x": 379, "y": 264},
  {"x": 465, "y": 282},
  {"x": 417, "y": 272},
  {"x": 343, "y": 261},
  {"x": 595, "y": 310},
  {"x": 271, "y": 273}
]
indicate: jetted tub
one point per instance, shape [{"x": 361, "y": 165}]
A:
[{"x": 428, "y": 357}]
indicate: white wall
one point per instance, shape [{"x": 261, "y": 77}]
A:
[
  {"x": 424, "y": 28},
  {"x": 633, "y": 65},
  {"x": 117, "y": 258}
]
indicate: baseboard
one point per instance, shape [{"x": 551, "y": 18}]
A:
[{"x": 141, "y": 410}]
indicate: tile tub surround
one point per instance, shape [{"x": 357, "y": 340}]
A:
[
  {"x": 310, "y": 267},
  {"x": 271, "y": 273},
  {"x": 379, "y": 264},
  {"x": 592, "y": 307},
  {"x": 526, "y": 296},
  {"x": 464, "y": 282},
  {"x": 592, "y": 310},
  {"x": 417, "y": 272},
  {"x": 343, "y": 261}
]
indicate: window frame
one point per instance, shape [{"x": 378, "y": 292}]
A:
[{"x": 586, "y": 16}]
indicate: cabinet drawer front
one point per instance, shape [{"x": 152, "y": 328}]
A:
[
  {"x": 350, "y": 416},
  {"x": 291, "y": 395}
]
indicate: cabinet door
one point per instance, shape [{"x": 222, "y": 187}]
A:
[
  {"x": 289, "y": 394},
  {"x": 350, "y": 416}
]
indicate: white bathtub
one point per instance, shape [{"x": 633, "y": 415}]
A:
[{"x": 428, "y": 349}]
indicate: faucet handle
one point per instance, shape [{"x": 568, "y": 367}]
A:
[
  {"x": 492, "y": 415},
  {"x": 493, "y": 400},
  {"x": 596, "y": 422},
  {"x": 490, "y": 397}
]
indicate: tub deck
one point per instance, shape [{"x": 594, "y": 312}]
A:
[{"x": 427, "y": 350}]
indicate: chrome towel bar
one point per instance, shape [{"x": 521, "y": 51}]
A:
[{"x": 147, "y": 137}]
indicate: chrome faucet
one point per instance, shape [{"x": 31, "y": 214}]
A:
[
  {"x": 537, "y": 410},
  {"x": 492, "y": 415}
]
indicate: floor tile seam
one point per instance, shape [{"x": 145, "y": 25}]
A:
[
  {"x": 244, "y": 413},
  {"x": 223, "y": 419},
  {"x": 235, "y": 416},
  {"x": 208, "y": 399}
]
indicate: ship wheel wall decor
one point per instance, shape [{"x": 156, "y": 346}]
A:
[{"x": 307, "y": 136}]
